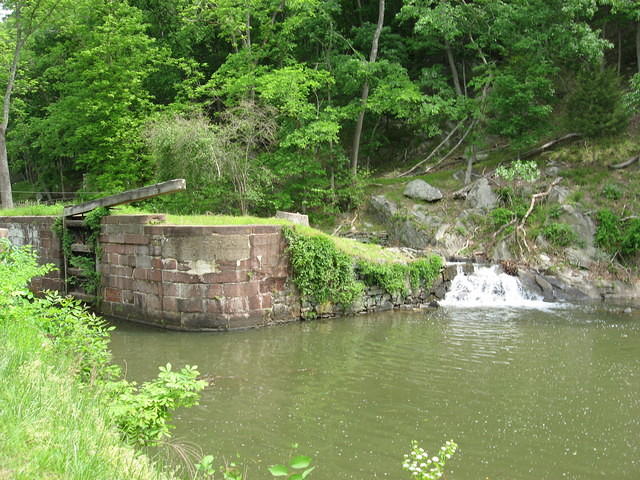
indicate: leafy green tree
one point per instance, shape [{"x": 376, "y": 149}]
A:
[
  {"x": 595, "y": 105},
  {"x": 101, "y": 97},
  {"x": 25, "y": 19}
]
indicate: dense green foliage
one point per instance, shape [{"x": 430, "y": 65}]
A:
[
  {"x": 560, "y": 234},
  {"x": 65, "y": 399},
  {"x": 618, "y": 236},
  {"x": 256, "y": 102},
  {"x": 320, "y": 271},
  {"x": 324, "y": 273}
]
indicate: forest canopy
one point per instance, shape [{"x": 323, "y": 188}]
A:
[{"x": 287, "y": 104}]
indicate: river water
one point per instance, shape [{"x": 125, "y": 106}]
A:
[{"x": 527, "y": 393}]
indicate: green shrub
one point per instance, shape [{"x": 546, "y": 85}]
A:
[
  {"x": 323, "y": 273},
  {"x": 500, "y": 216},
  {"x": 560, "y": 235},
  {"x": 392, "y": 277},
  {"x": 519, "y": 170},
  {"x": 554, "y": 211},
  {"x": 612, "y": 192},
  {"x": 320, "y": 271},
  {"x": 630, "y": 244},
  {"x": 608, "y": 232},
  {"x": 595, "y": 105},
  {"x": 142, "y": 414},
  {"x": 76, "y": 332},
  {"x": 424, "y": 271}
]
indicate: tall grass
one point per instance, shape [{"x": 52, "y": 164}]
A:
[
  {"x": 51, "y": 424},
  {"x": 35, "y": 209}
]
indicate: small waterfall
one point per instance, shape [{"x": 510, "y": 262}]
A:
[{"x": 489, "y": 287}]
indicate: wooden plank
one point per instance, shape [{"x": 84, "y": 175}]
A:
[
  {"x": 80, "y": 248},
  {"x": 128, "y": 196}
]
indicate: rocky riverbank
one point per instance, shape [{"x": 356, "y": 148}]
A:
[{"x": 550, "y": 228}]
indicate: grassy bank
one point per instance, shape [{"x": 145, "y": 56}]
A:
[{"x": 54, "y": 418}]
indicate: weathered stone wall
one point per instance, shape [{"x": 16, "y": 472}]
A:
[
  {"x": 194, "y": 277},
  {"x": 187, "y": 277},
  {"x": 375, "y": 299},
  {"x": 38, "y": 231}
]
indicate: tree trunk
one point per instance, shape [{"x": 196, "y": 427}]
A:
[
  {"x": 5, "y": 180},
  {"x": 365, "y": 91},
  {"x": 470, "y": 161},
  {"x": 454, "y": 69},
  {"x": 619, "y": 61},
  {"x": 638, "y": 45},
  {"x": 6, "y": 196}
]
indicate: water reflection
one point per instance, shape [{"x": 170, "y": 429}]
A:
[{"x": 526, "y": 394}]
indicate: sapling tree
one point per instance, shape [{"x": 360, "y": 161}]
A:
[{"x": 26, "y": 18}]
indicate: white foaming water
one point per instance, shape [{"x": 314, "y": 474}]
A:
[{"x": 490, "y": 287}]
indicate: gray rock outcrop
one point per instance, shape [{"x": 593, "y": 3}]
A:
[
  {"x": 421, "y": 190},
  {"x": 383, "y": 208},
  {"x": 481, "y": 196}
]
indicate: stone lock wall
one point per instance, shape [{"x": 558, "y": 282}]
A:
[
  {"x": 194, "y": 277},
  {"x": 38, "y": 232}
]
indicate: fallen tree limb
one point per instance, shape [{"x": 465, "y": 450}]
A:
[
  {"x": 631, "y": 161},
  {"x": 520, "y": 231},
  {"x": 548, "y": 145},
  {"x": 435, "y": 150},
  {"x": 455, "y": 147},
  {"x": 462, "y": 193}
]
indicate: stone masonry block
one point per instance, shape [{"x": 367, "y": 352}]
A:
[
  {"x": 113, "y": 295},
  {"x": 235, "y": 305},
  {"x": 140, "y": 273},
  {"x": 232, "y": 276},
  {"x": 214, "y": 290},
  {"x": 152, "y": 288},
  {"x": 170, "y": 304},
  {"x": 187, "y": 305},
  {"x": 154, "y": 275},
  {"x": 179, "y": 277},
  {"x": 143, "y": 261},
  {"x": 213, "y": 306}
]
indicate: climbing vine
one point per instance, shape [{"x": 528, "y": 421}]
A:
[
  {"x": 320, "y": 271},
  {"x": 323, "y": 273},
  {"x": 88, "y": 279}
]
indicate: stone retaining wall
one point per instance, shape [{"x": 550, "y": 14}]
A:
[
  {"x": 194, "y": 277},
  {"x": 375, "y": 299},
  {"x": 187, "y": 277},
  {"x": 38, "y": 231}
]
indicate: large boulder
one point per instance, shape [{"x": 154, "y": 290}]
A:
[
  {"x": 383, "y": 208},
  {"x": 582, "y": 224},
  {"x": 481, "y": 196},
  {"x": 421, "y": 190},
  {"x": 410, "y": 233},
  {"x": 558, "y": 194}
]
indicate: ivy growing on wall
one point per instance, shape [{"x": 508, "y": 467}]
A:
[
  {"x": 89, "y": 279},
  {"x": 320, "y": 271},
  {"x": 323, "y": 273}
]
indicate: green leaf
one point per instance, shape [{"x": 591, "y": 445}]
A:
[
  {"x": 306, "y": 473},
  {"x": 301, "y": 461},
  {"x": 295, "y": 476},
  {"x": 278, "y": 470}
]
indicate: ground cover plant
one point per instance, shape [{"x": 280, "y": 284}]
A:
[
  {"x": 338, "y": 270},
  {"x": 69, "y": 412}
]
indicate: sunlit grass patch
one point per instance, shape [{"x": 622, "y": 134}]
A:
[
  {"x": 35, "y": 209},
  {"x": 223, "y": 220}
]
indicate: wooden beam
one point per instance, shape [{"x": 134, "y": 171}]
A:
[{"x": 128, "y": 196}]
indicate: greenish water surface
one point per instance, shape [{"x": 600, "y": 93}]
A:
[{"x": 527, "y": 394}]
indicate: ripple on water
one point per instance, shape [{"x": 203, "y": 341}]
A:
[{"x": 527, "y": 394}]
